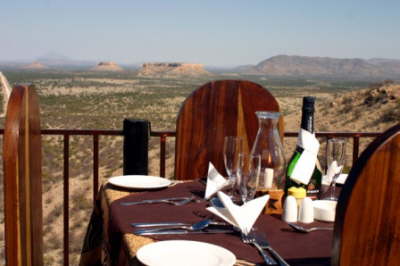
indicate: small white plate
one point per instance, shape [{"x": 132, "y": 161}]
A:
[
  {"x": 139, "y": 181},
  {"x": 341, "y": 179},
  {"x": 183, "y": 253},
  {"x": 324, "y": 210}
]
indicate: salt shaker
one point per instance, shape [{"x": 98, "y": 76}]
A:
[
  {"x": 290, "y": 210},
  {"x": 306, "y": 211}
]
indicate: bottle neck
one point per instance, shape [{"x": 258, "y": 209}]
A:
[{"x": 307, "y": 120}]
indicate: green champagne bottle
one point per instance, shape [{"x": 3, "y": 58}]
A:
[{"x": 307, "y": 123}]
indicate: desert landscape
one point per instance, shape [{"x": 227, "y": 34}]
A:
[{"x": 100, "y": 98}]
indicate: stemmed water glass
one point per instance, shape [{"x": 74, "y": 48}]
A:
[
  {"x": 335, "y": 160},
  {"x": 248, "y": 173},
  {"x": 233, "y": 146}
]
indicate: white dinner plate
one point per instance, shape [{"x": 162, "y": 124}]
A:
[
  {"x": 341, "y": 179},
  {"x": 139, "y": 181},
  {"x": 184, "y": 253}
]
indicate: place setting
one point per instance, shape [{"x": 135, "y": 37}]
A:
[
  {"x": 230, "y": 223},
  {"x": 231, "y": 202},
  {"x": 242, "y": 212}
]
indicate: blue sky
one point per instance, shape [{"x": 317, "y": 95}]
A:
[{"x": 218, "y": 32}]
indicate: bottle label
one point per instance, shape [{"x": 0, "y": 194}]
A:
[
  {"x": 313, "y": 194},
  {"x": 304, "y": 168},
  {"x": 305, "y": 165}
]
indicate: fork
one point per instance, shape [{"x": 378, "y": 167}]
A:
[
  {"x": 247, "y": 239},
  {"x": 302, "y": 229}
]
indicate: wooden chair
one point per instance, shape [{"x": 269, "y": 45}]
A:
[
  {"x": 22, "y": 179},
  {"x": 367, "y": 227},
  {"x": 213, "y": 111}
]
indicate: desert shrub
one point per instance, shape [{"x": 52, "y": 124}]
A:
[
  {"x": 47, "y": 229},
  {"x": 347, "y": 104},
  {"x": 48, "y": 259},
  {"x": 80, "y": 201},
  {"x": 53, "y": 214},
  {"x": 390, "y": 116},
  {"x": 347, "y": 100},
  {"x": 53, "y": 242}
]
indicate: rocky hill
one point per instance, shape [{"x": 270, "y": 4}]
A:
[
  {"x": 107, "y": 67},
  {"x": 374, "y": 109},
  {"x": 326, "y": 67},
  {"x": 172, "y": 70}
]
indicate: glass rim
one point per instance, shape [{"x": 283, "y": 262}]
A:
[{"x": 268, "y": 114}]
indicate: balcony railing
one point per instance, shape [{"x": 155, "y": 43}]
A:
[{"x": 163, "y": 136}]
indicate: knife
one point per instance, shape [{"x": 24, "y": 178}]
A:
[
  {"x": 152, "y": 201},
  {"x": 147, "y": 232},
  {"x": 157, "y": 224},
  {"x": 262, "y": 241},
  {"x": 171, "y": 224}
]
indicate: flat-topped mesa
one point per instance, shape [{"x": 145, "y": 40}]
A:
[
  {"x": 107, "y": 66},
  {"x": 34, "y": 66},
  {"x": 172, "y": 69}
]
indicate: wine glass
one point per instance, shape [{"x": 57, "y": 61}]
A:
[
  {"x": 335, "y": 159},
  {"x": 233, "y": 146},
  {"x": 248, "y": 173}
]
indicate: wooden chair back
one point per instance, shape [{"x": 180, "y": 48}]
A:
[
  {"x": 215, "y": 110},
  {"x": 367, "y": 226},
  {"x": 22, "y": 179}
]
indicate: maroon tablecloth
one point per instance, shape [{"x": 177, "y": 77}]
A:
[{"x": 297, "y": 248}]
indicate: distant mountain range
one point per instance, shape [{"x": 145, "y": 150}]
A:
[
  {"x": 324, "y": 67},
  {"x": 283, "y": 66},
  {"x": 55, "y": 61}
]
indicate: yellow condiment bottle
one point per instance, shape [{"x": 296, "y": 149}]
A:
[{"x": 299, "y": 193}]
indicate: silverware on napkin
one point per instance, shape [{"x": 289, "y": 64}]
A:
[{"x": 147, "y": 232}]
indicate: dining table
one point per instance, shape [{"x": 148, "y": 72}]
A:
[{"x": 110, "y": 238}]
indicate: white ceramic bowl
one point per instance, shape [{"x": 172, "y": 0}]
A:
[{"x": 324, "y": 210}]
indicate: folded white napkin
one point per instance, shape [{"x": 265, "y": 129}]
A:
[
  {"x": 333, "y": 169},
  {"x": 215, "y": 181},
  {"x": 304, "y": 168},
  {"x": 243, "y": 216}
]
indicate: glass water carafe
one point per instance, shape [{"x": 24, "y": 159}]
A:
[{"x": 269, "y": 145}]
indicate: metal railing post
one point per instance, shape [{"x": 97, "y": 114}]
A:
[
  {"x": 66, "y": 199},
  {"x": 163, "y": 138},
  {"x": 95, "y": 166},
  {"x": 356, "y": 147}
]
